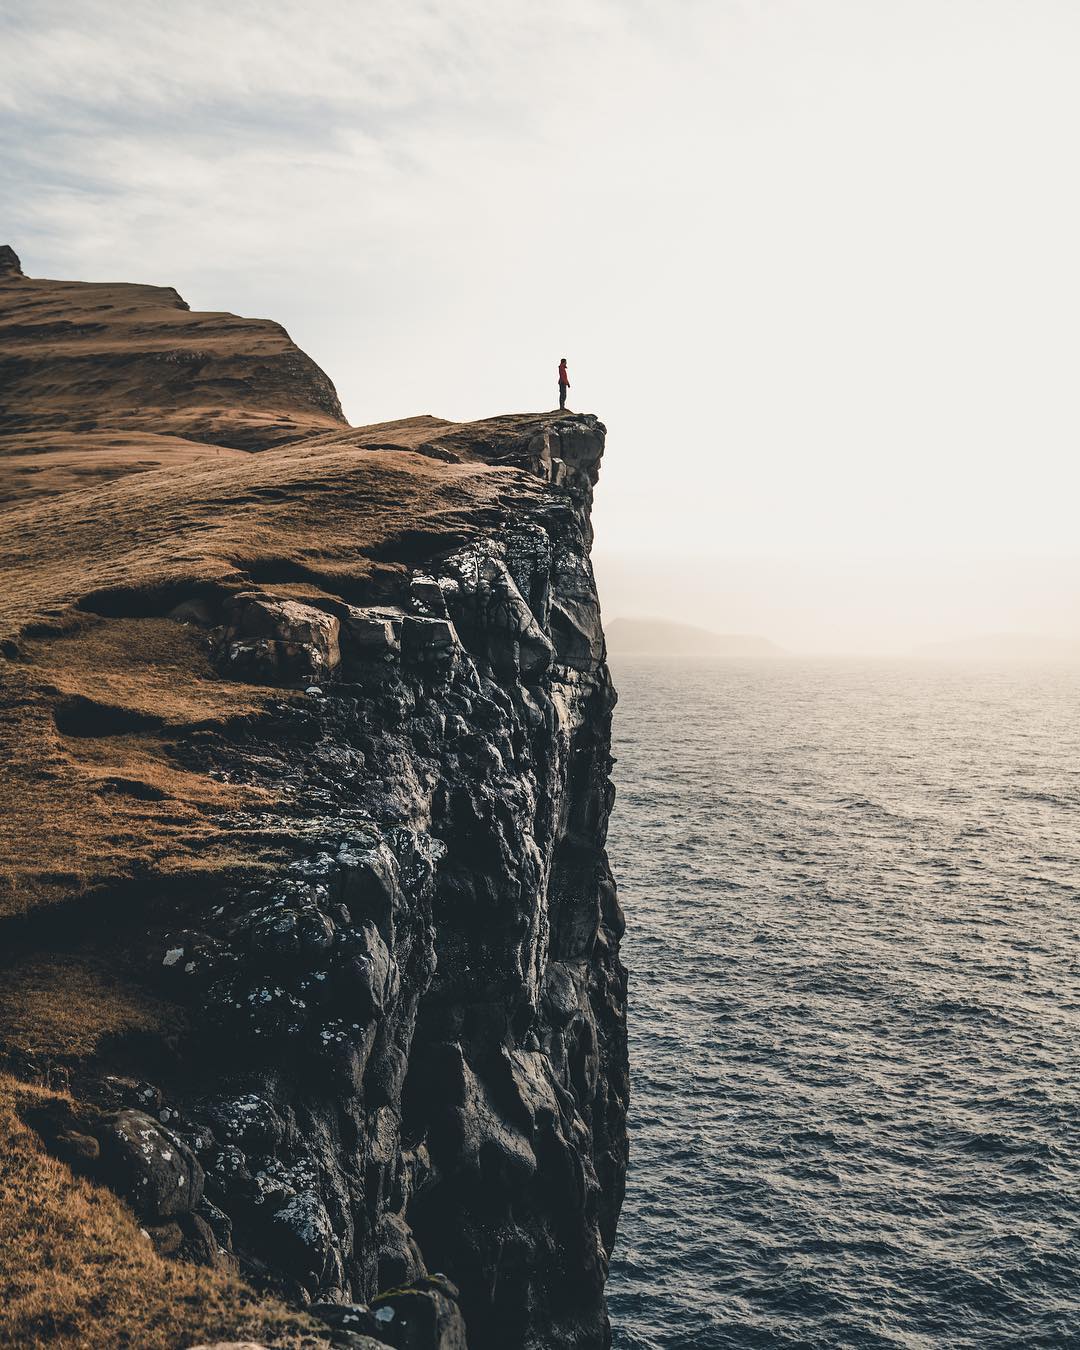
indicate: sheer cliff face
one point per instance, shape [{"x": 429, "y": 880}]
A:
[{"x": 361, "y": 688}]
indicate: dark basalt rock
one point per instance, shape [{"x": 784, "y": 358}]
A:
[
  {"x": 421, "y": 1315},
  {"x": 149, "y": 1166},
  {"x": 274, "y": 641}
]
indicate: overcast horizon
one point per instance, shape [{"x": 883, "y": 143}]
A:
[
  {"x": 826, "y": 607},
  {"x": 814, "y": 264}
]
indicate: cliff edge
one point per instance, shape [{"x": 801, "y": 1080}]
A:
[{"x": 312, "y": 1007}]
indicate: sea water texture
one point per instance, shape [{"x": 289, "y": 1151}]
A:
[{"x": 853, "y": 895}]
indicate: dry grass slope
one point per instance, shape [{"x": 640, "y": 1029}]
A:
[
  {"x": 77, "y": 1273},
  {"x": 98, "y": 379}
]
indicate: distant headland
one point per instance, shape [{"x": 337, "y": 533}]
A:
[{"x": 660, "y": 637}]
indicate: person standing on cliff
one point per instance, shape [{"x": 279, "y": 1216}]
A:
[{"x": 564, "y": 383}]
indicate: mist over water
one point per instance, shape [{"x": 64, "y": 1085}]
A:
[{"x": 852, "y": 895}]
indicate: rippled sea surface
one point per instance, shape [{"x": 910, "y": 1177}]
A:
[{"x": 853, "y": 895}]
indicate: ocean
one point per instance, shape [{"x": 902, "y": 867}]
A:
[{"x": 853, "y": 903}]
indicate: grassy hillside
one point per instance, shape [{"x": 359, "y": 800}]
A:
[{"x": 100, "y": 378}]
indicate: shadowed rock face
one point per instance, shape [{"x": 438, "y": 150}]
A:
[{"x": 401, "y": 1038}]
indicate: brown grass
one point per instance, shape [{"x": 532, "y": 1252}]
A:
[
  {"x": 59, "y": 1010},
  {"x": 76, "y": 1272},
  {"x": 76, "y": 811},
  {"x": 78, "y": 357},
  {"x": 44, "y": 464}
]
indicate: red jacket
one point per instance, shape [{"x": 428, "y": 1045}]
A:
[{"x": 563, "y": 377}]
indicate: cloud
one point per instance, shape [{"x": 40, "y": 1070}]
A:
[
  {"x": 815, "y": 257},
  {"x": 326, "y": 123}
]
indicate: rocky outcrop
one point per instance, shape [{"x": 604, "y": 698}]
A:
[
  {"x": 274, "y": 641},
  {"x": 424, "y": 1314}
]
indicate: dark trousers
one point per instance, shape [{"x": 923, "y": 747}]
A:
[{"x": 562, "y": 394}]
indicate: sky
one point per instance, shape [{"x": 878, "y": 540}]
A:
[{"x": 814, "y": 262}]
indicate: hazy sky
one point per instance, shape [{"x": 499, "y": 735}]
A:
[{"x": 815, "y": 262}]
